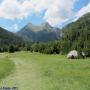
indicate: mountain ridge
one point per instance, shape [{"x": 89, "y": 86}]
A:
[
  {"x": 42, "y": 33},
  {"x": 8, "y": 38}
]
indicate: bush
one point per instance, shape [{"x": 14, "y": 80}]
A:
[{"x": 11, "y": 49}]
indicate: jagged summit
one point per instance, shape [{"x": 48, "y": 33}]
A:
[{"x": 44, "y": 32}]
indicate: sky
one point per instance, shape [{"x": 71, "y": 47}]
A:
[{"x": 15, "y": 14}]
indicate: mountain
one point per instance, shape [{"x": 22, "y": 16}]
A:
[
  {"x": 77, "y": 35},
  {"x": 42, "y": 33},
  {"x": 8, "y": 38}
]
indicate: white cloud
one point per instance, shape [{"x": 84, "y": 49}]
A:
[
  {"x": 12, "y": 9},
  {"x": 56, "y": 11},
  {"x": 59, "y": 11},
  {"x": 13, "y": 28}
]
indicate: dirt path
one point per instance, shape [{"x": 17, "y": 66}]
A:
[{"x": 26, "y": 76}]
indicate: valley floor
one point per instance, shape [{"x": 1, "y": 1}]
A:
[{"x": 34, "y": 71}]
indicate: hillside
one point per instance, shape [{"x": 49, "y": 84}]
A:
[
  {"x": 77, "y": 35},
  {"x": 8, "y": 38},
  {"x": 42, "y": 33}
]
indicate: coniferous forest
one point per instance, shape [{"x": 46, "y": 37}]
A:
[{"x": 74, "y": 36}]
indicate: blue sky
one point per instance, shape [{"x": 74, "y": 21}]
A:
[
  {"x": 15, "y": 14},
  {"x": 81, "y": 4}
]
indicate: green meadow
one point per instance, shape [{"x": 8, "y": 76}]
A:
[{"x": 34, "y": 71}]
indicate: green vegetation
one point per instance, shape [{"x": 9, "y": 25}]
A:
[
  {"x": 47, "y": 48},
  {"x": 7, "y": 39},
  {"x": 77, "y": 35},
  {"x": 6, "y": 66},
  {"x": 36, "y": 71}
]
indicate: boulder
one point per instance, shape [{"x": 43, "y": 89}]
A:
[
  {"x": 73, "y": 54},
  {"x": 83, "y": 55}
]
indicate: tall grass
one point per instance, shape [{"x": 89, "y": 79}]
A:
[{"x": 6, "y": 67}]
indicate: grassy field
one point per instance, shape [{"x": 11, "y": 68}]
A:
[
  {"x": 34, "y": 71},
  {"x": 6, "y": 66}
]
